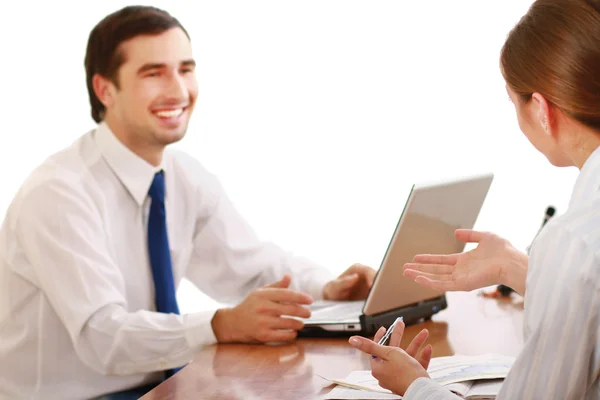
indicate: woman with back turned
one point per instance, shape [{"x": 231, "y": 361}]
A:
[{"x": 551, "y": 65}]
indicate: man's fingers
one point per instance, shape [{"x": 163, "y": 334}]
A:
[
  {"x": 425, "y": 356},
  {"x": 367, "y": 272},
  {"x": 444, "y": 259},
  {"x": 361, "y": 270},
  {"x": 417, "y": 342},
  {"x": 287, "y": 323},
  {"x": 284, "y": 283},
  {"x": 285, "y": 296},
  {"x": 356, "y": 269},
  {"x": 278, "y": 335},
  {"x": 347, "y": 281},
  {"x": 292, "y": 310},
  {"x": 371, "y": 273},
  {"x": 438, "y": 269},
  {"x": 368, "y": 346},
  {"x": 468, "y": 235},
  {"x": 278, "y": 329},
  {"x": 342, "y": 285}
]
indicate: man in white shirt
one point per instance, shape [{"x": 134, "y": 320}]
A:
[{"x": 87, "y": 271}]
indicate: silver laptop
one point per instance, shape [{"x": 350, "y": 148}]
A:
[{"x": 431, "y": 214}]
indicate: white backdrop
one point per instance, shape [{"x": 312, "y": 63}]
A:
[{"x": 317, "y": 115}]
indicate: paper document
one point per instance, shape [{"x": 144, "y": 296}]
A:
[
  {"x": 487, "y": 389},
  {"x": 472, "y": 390},
  {"x": 470, "y": 376},
  {"x": 361, "y": 380},
  {"x": 346, "y": 393},
  {"x": 446, "y": 370},
  {"x": 484, "y": 389}
]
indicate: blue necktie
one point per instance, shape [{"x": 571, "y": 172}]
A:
[{"x": 160, "y": 254}]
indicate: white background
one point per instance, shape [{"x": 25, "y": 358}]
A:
[{"x": 316, "y": 115}]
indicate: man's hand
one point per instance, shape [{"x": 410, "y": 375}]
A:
[
  {"x": 352, "y": 284},
  {"x": 394, "y": 368},
  {"x": 261, "y": 317},
  {"x": 493, "y": 261}
]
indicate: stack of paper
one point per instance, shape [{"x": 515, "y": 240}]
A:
[{"x": 472, "y": 377}]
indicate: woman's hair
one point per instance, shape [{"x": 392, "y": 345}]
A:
[{"x": 555, "y": 50}]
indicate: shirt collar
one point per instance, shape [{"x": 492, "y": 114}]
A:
[
  {"x": 588, "y": 180},
  {"x": 135, "y": 173}
]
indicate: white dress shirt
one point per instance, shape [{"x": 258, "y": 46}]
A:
[
  {"x": 561, "y": 353},
  {"x": 77, "y": 312}
]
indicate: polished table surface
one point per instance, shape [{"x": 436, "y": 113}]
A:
[{"x": 470, "y": 325}]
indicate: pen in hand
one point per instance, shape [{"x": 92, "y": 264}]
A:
[{"x": 388, "y": 334}]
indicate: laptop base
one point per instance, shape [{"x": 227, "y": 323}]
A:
[
  {"x": 369, "y": 324},
  {"x": 411, "y": 314},
  {"x": 318, "y": 332}
]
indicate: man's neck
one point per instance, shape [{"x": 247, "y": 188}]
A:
[{"x": 145, "y": 151}]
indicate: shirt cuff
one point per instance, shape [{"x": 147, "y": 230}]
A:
[
  {"x": 198, "y": 329},
  {"x": 426, "y": 389}
]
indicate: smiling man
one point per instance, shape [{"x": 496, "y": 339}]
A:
[{"x": 100, "y": 235}]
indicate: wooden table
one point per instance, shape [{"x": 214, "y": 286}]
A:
[{"x": 470, "y": 325}]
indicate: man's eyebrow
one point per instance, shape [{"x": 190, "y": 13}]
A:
[
  {"x": 149, "y": 66},
  {"x": 188, "y": 63}
]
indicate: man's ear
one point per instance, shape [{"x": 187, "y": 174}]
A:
[{"x": 104, "y": 89}]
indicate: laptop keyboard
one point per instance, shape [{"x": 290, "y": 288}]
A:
[{"x": 332, "y": 311}]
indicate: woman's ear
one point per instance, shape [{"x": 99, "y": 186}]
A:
[{"x": 544, "y": 113}]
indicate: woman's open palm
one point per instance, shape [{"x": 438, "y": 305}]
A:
[{"x": 477, "y": 268}]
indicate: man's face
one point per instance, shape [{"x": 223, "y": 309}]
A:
[{"x": 156, "y": 91}]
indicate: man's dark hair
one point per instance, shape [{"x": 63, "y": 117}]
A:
[{"x": 103, "y": 55}]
